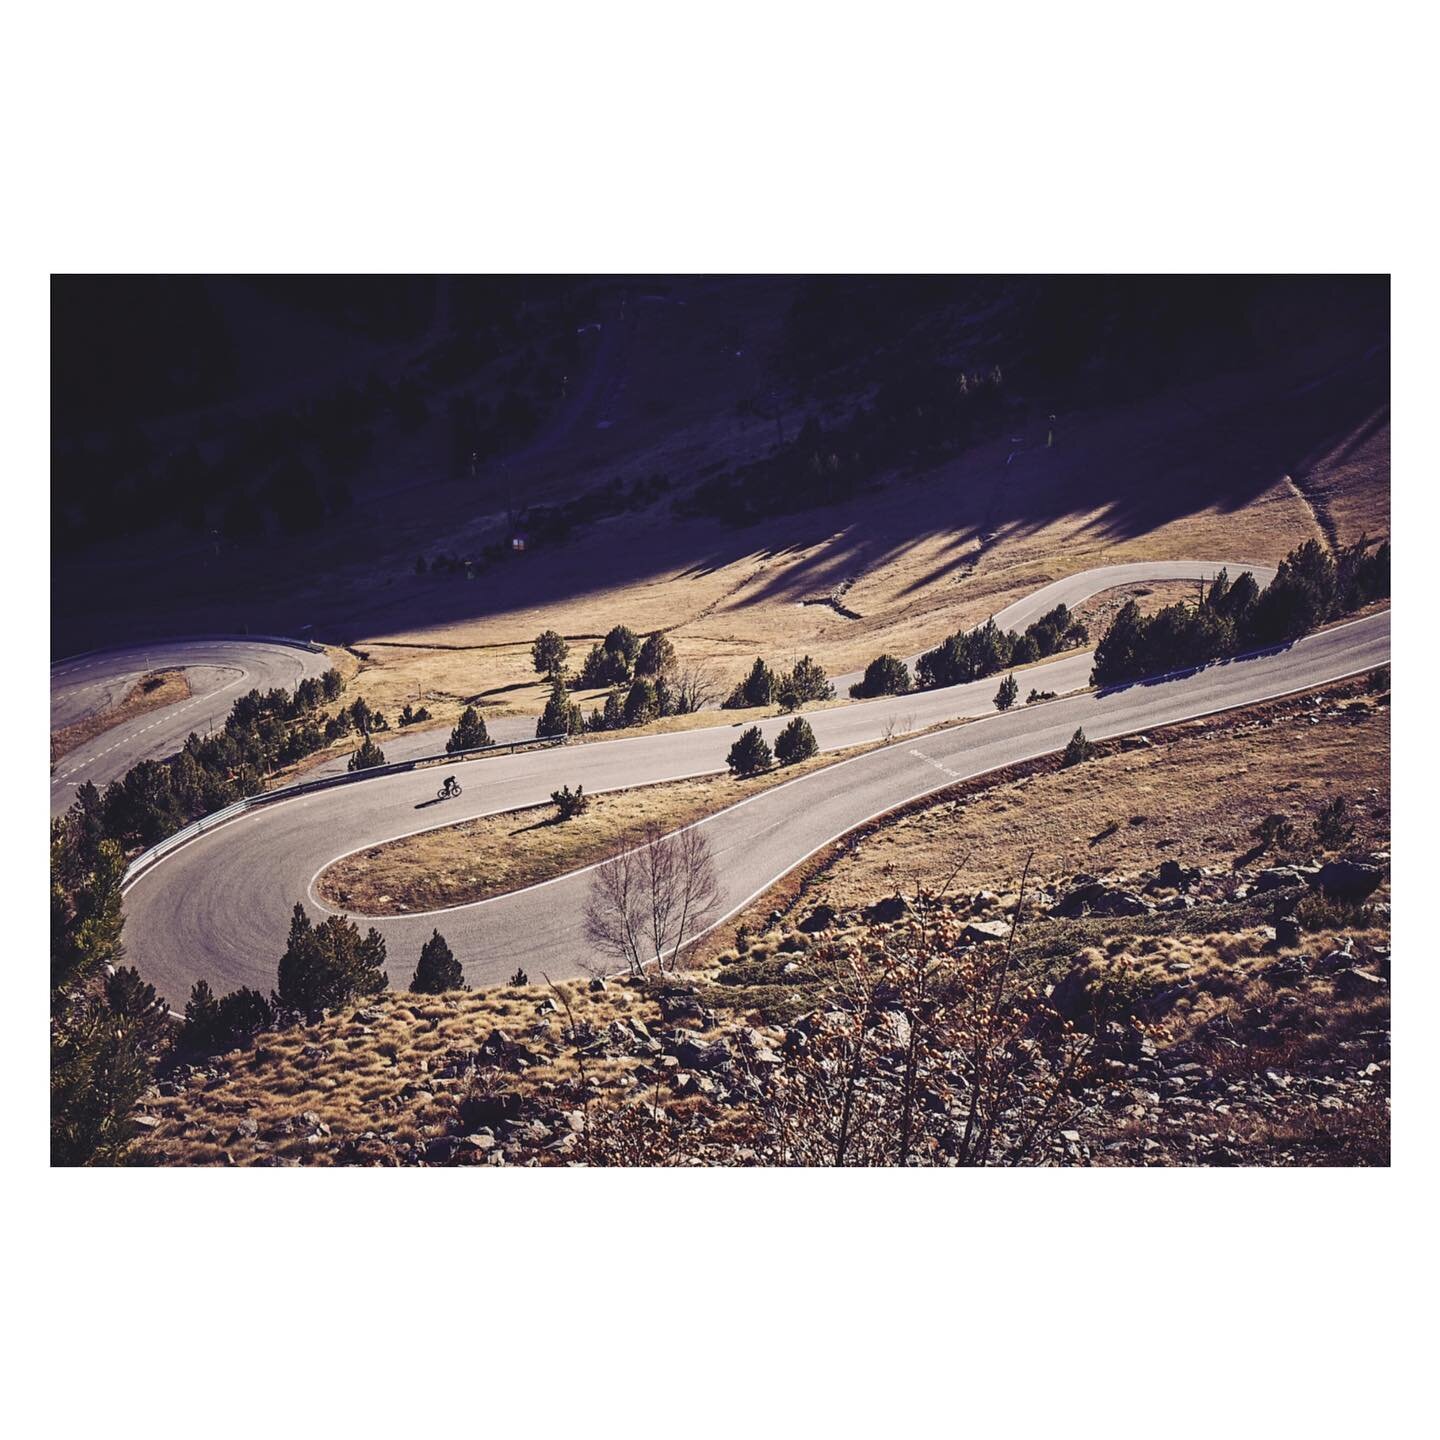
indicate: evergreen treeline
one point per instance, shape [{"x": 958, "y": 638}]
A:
[
  {"x": 1310, "y": 587},
  {"x": 263, "y": 733},
  {"x": 985, "y": 651}
]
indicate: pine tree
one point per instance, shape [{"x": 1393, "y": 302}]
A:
[
  {"x": 201, "y": 1011},
  {"x": 367, "y": 757},
  {"x": 1005, "y": 696},
  {"x": 438, "y": 970},
  {"x": 570, "y": 803},
  {"x": 640, "y": 704},
  {"x": 657, "y": 655},
  {"x": 101, "y": 1036},
  {"x": 749, "y": 755},
  {"x": 884, "y": 675},
  {"x": 469, "y": 734},
  {"x": 810, "y": 682},
  {"x": 1078, "y": 750},
  {"x": 796, "y": 742},
  {"x": 561, "y": 715},
  {"x": 328, "y": 965},
  {"x": 549, "y": 653},
  {"x": 622, "y": 640},
  {"x": 1118, "y": 656}
]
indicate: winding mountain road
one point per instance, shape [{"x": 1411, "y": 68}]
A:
[
  {"x": 218, "y": 908},
  {"x": 218, "y": 671}
]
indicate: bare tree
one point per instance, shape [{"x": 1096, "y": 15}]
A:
[
  {"x": 697, "y": 687},
  {"x": 646, "y": 903}
]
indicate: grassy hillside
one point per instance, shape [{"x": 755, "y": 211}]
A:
[{"x": 1267, "y": 426}]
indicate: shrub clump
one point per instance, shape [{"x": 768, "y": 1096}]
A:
[
  {"x": 796, "y": 742},
  {"x": 749, "y": 755},
  {"x": 884, "y": 675},
  {"x": 570, "y": 803}
]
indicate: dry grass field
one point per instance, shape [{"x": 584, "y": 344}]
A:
[{"x": 911, "y": 561}]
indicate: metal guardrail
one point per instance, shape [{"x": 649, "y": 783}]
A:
[
  {"x": 143, "y": 861},
  {"x": 313, "y": 646}
]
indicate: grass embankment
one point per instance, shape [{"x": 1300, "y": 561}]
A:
[{"x": 152, "y": 691}]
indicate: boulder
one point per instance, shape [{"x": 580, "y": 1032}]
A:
[
  {"x": 680, "y": 1005},
  {"x": 1287, "y": 932},
  {"x": 888, "y": 910},
  {"x": 822, "y": 917},
  {"x": 1172, "y": 875},
  {"x": 1276, "y": 877},
  {"x": 978, "y": 932},
  {"x": 1094, "y": 897},
  {"x": 1348, "y": 879},
  {"x": 1356, "y": 981},
  {"x": 695, "y": 1054},
  {"x": 484, "y": 1112}
]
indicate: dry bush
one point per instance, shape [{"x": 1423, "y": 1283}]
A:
[{"x": 933, "y": 1052}]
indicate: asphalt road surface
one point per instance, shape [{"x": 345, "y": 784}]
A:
[
  {"x": 218, "y": 908},
  {"x": 218, "y": 672}
]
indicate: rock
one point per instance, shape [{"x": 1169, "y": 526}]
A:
[
  {"x": 984, "y": 900},
  {"x": 978, "y": 932},
  {"x": 680, "y": 1006},
  {"x": 822, "y": 917},
  {"x": 1094, "y": 897},
  {"x": 888, "y": 910},
  {"x": 1289, "y": 971},
  {"x": 1137, "y": 742},
  {"x": 1276, "y": 877},
  {"x": 1287, "y": 932},
  {"x": 598, "y": 983},
  {"x": 485, "y": 1112},
  {"x": 1349, "y": 879},
  {"x": 442, "y": 1150},
  {"x": 697, "y": 1055},
  {"x": 1359, "y": 982},
  {"x": 146, "y": 1122},
  {"x": 480, "y": 1140},
  {"x": 1172, "y": 875}
]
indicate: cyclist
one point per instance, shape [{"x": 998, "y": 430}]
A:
[{"x": 450, "y": 787}]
